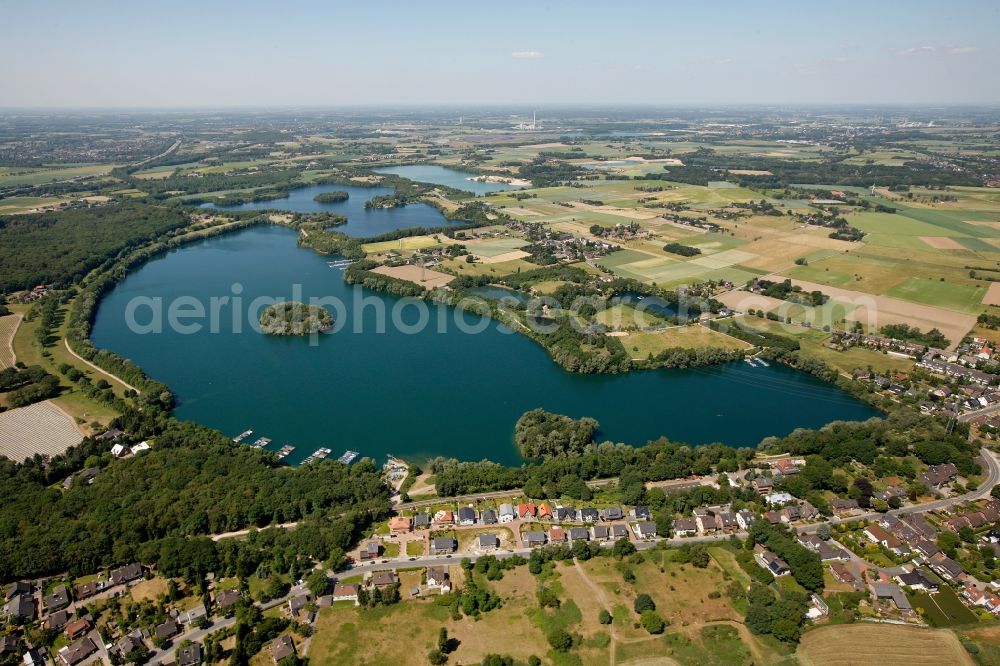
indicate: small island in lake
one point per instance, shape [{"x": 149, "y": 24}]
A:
[
  {"x": 294, "y": 318},
  {"x": 331, "y": 197}
]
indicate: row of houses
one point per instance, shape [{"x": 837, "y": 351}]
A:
[{"x": 507, "y": 512}]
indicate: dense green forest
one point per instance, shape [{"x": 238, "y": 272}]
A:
[
  {"x": 194, "y": 481},
  {"x": 63, "y": 246},
  {"x": 541, "y": 434}
]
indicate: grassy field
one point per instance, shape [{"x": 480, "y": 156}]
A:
[
  {"x": 941, "y": 294},
  {"x": 640, "y": 344},
  {"x": 885, "y": 644},
  {"x": 402, "y": 245}
]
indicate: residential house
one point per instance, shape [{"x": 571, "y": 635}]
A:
[
  {"x": 920, "y": 524},
  {"x": 745, "y": 518},
  {"x": 466, "y": 516},
  {"x": 618, "y": 531},
  {"x": 705, "y": 520},
  {"x": 926, "y": 549},
  {"x": 346, "y": 592},
  {"x": 297, "y": 603},
  {"x": 488, "y": 542},
  {"x": 189, "y": 655},
  {"x": 612, "y": 513},
  {"x": 76, "y": 628},
  {"x": 381, "y": 579},
  {"x": 438, "y": 577},
  {"x": 877, "y": 535},
  {"x": 20, "y": 609},
  {"x": 421, "y": 521},
  {"x": 128, "y": 644},
  {"x": 370, "y": 551},
  {"x": 126, "y": 574},
  {"x": 506, "y": 513},
  {"x": 526, "y": 511},
  {"x": 488, "y": 517},
  {"x": 936, "y": 476},
  {"x": 34, "y": 657},
  {"x": 772, "y": 517},
  {"x": 727, "y": 521},
  {"x": 532, "y": 539},
  {"x": 565, "y": 513},
  {"x": 601, "y": 533},
  {"x": 443, "y": 545},
  {"x": 947, "y": 568},
  {"x": 87, "y": 590},
  {"x": 579, "y": 534},
  {"x": 685, "y": 527},
  {"x": 645, "y": 529},
  {"x": 544, "y": 512},
  {"x": 73, "y": 654},
  {"x": 444, "y": 517},
  {"x": 842, "y": 573},
  {"x": 641, "y": 513},
  {"x": 779, "y": 499},
  {"x": 557, "y": 535},
  {"x": 917, "y": 580},
  {"x": 167, "y": 630},
  {"x": 57, "y": 600},
  {"x": 589, "y": 514},
  {"x": 10, "y": 645},
  {"x": 789, "y": 514},
  {"x": 193, "y": 615},
  {"x": 763, "y": 484},
  {"x": 400, "y": 524},
  {"x": 226, "y": 599},
  {"x": 15, "y": 589},
  {"x": 282, "y": 647},
  {"x": 841, "y": 507},
  {"x": 770, "y": 561},
  {"x": 56, "y": 620},
  {"x": 807, "y": 511},
  {"x": 893, "y": 593}
]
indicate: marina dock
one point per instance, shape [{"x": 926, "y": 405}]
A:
[
  {"x": 348, "y": 457},
  {"x": 243, "y": 435}
]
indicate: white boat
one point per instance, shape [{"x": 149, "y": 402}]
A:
[{"x": 763, "y": 363}]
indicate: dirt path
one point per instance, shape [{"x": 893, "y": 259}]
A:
[
  {"x": 599, "y": 593},
  {"x": 100, "y": 370},
  {"x": 8, "y": 327}
]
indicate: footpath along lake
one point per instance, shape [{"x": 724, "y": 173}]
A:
[{"x": 418, "y": 394}]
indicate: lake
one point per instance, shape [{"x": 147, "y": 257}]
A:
[
  {"x": 361, "y": 222},
  {"x": 414, "y": 394},
  {"x": 439, "y": 175}
]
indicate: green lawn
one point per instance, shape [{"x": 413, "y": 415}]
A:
[{"x": 963, "y": 298}]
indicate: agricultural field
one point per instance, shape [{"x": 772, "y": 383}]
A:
[
  {"x": 10, "y": 176},
  {"x": 41, "y": 428},
  {"x": 884, "y": 644},
  {"x": 943, "y": 609}
]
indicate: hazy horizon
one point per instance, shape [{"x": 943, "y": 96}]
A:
[{"x": 252, "y": 55}]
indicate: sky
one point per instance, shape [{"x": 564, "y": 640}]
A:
[{"x": 221, "y": 54}]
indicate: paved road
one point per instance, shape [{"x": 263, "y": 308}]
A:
[
  {"x": 985, "y": 411},
  {"x": 198, "y": 635}
]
